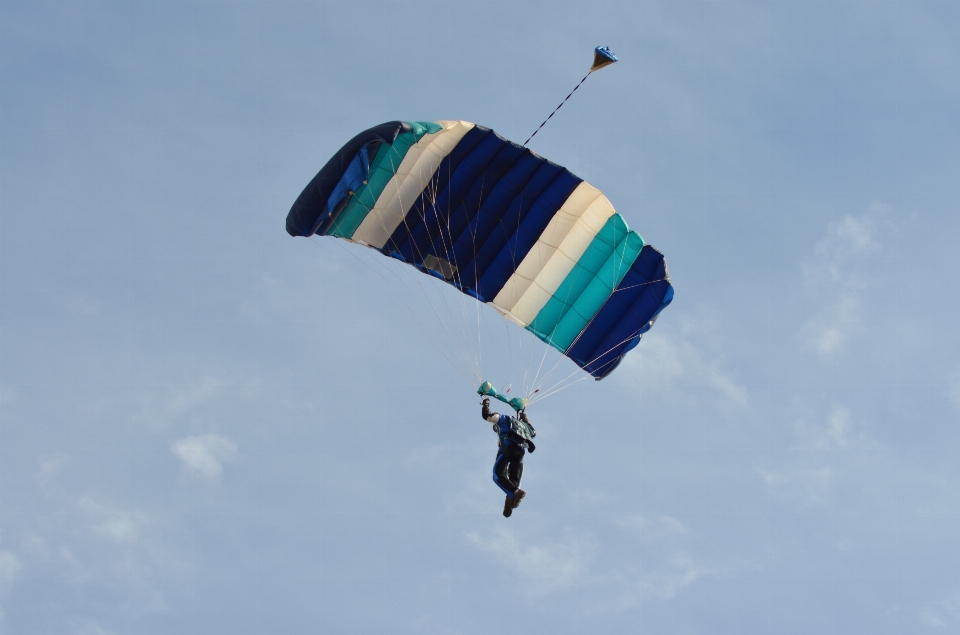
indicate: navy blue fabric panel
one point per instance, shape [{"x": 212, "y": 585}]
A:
[
  {"x": 495, "y": 231},
  {"x": 626, "y": 336},
  {"x": 513, "y": 164},
  {"x": 619, "y": 322},
  {"x": 530, "y": 229},
  {"x": 667, "y": 299},
  {"x": 437, "y": 192},
  {"x": 470, "y": 168},
  {"x": 308, "y": 211},
  {"x": 648, "y": 291},
  {"x": 461, "y": 245},
  {"x": 502, "y": 174},
  {"x": 490, "y": 219},
  {"x": 353, "y": 177}
]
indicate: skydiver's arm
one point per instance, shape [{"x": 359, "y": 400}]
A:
[{"x": 490, "y": 417}]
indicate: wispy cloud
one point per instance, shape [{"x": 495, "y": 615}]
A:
[
  {"x": 119, "y": 526},
  {"x": 9, "y": 568},
  {"x": 851, "y": 237},
  {"x": 810, "y": 486},
  {"x": 953, "y": 388},
  {"x": 837, "y": 431},
  {"x": 205, "y": 454},
  {"x": 92, "y": 628},
  {"x": 50, "y": 469},
  {"x": 835, "y": 276},
  {"x": 91, "y": 543},
  {"x": 839, "y": 426},
  {"x": 944, "y": 614},
  {"x": 830, "y": 329},
  {"x": 544, "y": 567},
  {"x": 821, "y": 454},
  {"x": 673, "y": 362},
  {"x": 159, "y": 410},
  {"x": 194, "y": 395},
  {"x": 668, "y": 567},
  {"x": 671, "y": 577}
]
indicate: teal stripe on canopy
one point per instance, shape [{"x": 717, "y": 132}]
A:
[
  {"x": 586, "y": 269},
  {"x": 382, "y": 169},
  {"x": 597, "y": 292},
  {"x": 592, "y": 280}
]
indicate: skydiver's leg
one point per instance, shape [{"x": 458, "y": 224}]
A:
[
  {"x": 501, "y": 469},
  {"x": 515, "y": 472}
]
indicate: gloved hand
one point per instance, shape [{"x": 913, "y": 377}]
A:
[{"x": 486, "y": 402}]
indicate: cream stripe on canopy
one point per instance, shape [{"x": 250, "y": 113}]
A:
[
  {"x": 405, "y": 187},
  {"x": 552, "y": 258}
]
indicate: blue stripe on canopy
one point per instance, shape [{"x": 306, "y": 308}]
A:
[
  {"x": 522, "y": 225},
  {"x": 437, "y": 194},
  {"x": 625, "y": 316},
  {"x": 484, "y": 207},
  {"x": 517, "y": 193},
  {"x": 489, "y": 196},
  {"x": 413, "y": 237}
]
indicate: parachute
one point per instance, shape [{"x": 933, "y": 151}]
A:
[{"x": 500, "y": 224}]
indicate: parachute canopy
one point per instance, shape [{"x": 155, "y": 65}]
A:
[{"x": 499, "y": 223}]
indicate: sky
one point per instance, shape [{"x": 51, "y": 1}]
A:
[{"x": 207, "y": 426}]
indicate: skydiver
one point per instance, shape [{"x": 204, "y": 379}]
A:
[{"x": 514, "y": 442}]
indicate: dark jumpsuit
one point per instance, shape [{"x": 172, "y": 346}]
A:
[{"x": 508, "y": 468}]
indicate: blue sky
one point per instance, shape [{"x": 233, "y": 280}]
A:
[{"x": 209, "y": 426}]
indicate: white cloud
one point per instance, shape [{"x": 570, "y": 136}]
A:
[
  {"x": 944, "y": 614},
  {"x": 667, "y": 567},
  {"x": 850, "y": 237},
  {"x": 544, "y": 567},
  {"x": 839, "y": 426},
  {"x": 193, "y": 396},
  {"x": 667, "y": 362},
  {"x": 808, "y": 485},
  {"x": 9, "y": 567},
  {"x": 836, "y": 277},
  {"x": 49, "y": 472},
  {"x": 205, "y": 454},
  {"x": 159, "y": 411},
  {"x": 679, "y": 572},
  {"x": 953, "y": 388},
  {"x": 94, "y": 542},
  {"x": 119, "y": 526},
  {"x": 830, "y": 329},
  {"x": 838, "y": 431}
]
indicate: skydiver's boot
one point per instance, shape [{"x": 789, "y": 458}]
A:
[
  {"x": 517, "y": 497},
  {"x": 507, "y": 507}
]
